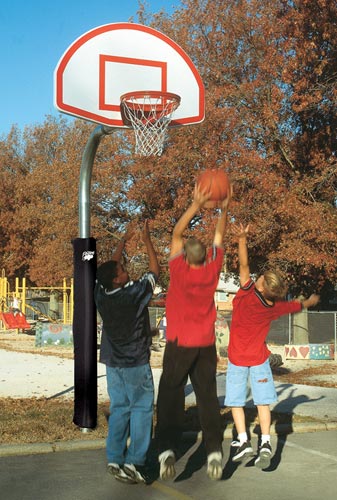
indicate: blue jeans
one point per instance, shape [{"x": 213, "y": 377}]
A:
[
  {"x": 261, "y": 383},
  {"x": 131, "y": 394}
]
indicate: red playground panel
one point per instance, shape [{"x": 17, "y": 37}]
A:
[{"x": 12, "y": 321}]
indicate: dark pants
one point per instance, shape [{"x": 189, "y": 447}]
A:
[{"x": 200, "y": 364}]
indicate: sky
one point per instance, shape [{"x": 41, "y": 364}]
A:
[{"x": 34, "y": 35}]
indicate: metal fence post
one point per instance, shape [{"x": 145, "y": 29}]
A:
[{"x": 289, "y": 334}]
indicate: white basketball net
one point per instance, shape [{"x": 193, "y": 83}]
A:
[{"x": 149, "y": 113}]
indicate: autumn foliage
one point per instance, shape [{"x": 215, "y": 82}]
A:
[{"x": 269, "y": 69}]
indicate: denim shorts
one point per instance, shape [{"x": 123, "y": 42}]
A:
[{"x": 261, "y": 384}]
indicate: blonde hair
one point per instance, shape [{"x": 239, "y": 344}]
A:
[
  {"x": 274, "y": 285},
  {"x": 195, "y": 251}
]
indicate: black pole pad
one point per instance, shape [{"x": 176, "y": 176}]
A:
[{"x": 85, "y": 333}]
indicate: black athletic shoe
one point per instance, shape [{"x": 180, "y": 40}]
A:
[
  {"x": 264, "y": 456},
  {"x": 137, "y": 473},
  {"x": 243, "y": 451}
]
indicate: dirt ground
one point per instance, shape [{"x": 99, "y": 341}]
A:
[{"x": 321, "y": 373}]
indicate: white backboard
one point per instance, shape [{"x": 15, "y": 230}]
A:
[{"x": 113, "y": 59}]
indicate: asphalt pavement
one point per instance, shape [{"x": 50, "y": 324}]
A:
[
  {"x": 303, "y": 467},
  {"x": 304, "y": 463}
]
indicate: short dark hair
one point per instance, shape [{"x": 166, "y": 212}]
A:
[{"x": 106, "y": 272}]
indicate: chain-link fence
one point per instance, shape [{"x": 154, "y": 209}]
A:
[{"x": 306, "y": 327}]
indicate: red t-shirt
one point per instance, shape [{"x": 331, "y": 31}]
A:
[
  {"x": 251, "y": 320},
  {"x": 190, "y": 307}
]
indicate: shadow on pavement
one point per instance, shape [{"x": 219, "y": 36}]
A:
[{"x": 281, "y": 421}]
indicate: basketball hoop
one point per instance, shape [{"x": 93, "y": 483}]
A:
[{"x": 149, "y": 113}]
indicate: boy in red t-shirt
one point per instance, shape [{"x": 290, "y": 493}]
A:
[
  {"x": 255, "y": 306},
  {"x": 190, "y": 341}
]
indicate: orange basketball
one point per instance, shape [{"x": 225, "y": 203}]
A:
[{"x": 217, "y": 182}]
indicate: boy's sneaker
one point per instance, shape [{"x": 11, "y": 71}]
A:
[
  {"x": 214, "y": 465},
  {"x": 243, "y": 451},
  {"x": 167, "y": 459},
  {"x": 137, "y": 473},
  {"x": 118, "y": 473},
  {"x": 264, "y": 456},
  {"x": 113, "y": 468}
]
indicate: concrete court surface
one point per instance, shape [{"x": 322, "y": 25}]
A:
[
  {"x": 24, "y": 375},
  {"x": 304, "y": 467}
]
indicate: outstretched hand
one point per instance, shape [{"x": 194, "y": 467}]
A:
[
  {"x": 130, "y": 231},
  {"x": 240, "y": 230},
  {"x": 200, "y": 196},
  {"x": 225, "y": 203},
  {"x": 312, "y": 300},
  {"x": 146, "y": 231}
]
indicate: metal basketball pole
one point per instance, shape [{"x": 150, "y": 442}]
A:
[{"x": 84, "y": 319}]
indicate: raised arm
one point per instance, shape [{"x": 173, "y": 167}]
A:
[
  {"x": 221, "y": 225},
  {"x": 153, "y": 260},
  {"x": 117, "y": 255},
  {"x": 241, "y": 233},
  {"x": 199, "y": 199}
]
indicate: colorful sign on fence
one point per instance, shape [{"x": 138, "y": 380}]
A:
[
  {"x": 55, "y": 334},
  {"x": 309, "y": 351}
]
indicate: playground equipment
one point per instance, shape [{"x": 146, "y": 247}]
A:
[
  {"x": 22, "y": 307},
  {"x": 15, "y": 321}
]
